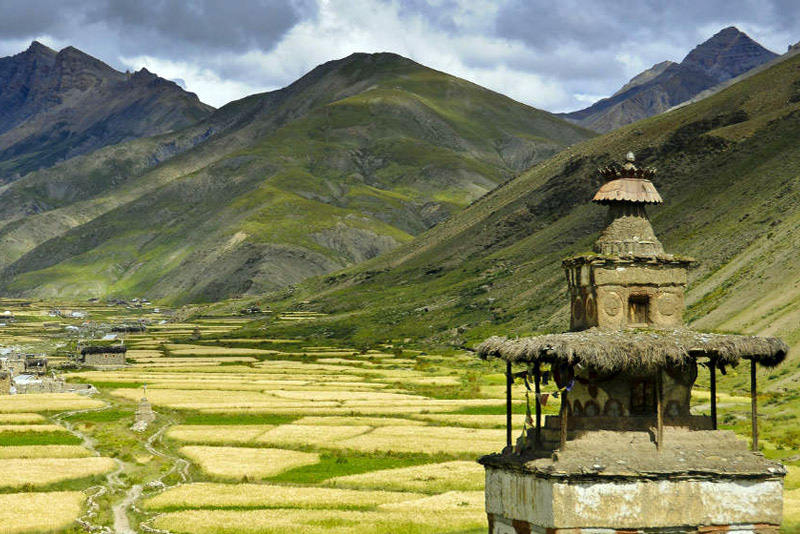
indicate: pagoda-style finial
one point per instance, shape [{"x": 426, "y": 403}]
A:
[
  {"x": 626, "y": 192},
  {"x": 629, "y": 159},
  {"x": 628, "y": 184}
]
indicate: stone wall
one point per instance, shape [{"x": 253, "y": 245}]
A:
[
  {"x": 519, "y": 503},
  {"x": 601, "y": 293},
  {"x": 113, "y": 359}
]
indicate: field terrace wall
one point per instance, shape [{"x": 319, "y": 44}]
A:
[{"x": 625, "y": 453}]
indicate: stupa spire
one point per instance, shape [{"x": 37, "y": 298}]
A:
[{"x": 626, "y": 192}]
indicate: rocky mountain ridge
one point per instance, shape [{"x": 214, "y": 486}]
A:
[
  {"x": 726, "y": 55},
  {"x": 56, "y": 105}
]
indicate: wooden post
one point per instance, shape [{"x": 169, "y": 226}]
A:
[
  {"x": 659, "y": 409},
  {"x": 712, "y": 366},
  {"x": 509, "y": 381},
  {"x": 538, "y": 392},
  {"x": 754, "y": 403},
  {"x": 563, "y": 417}
]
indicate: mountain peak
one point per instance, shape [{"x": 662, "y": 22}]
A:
[
  {"x": 730, "y": 31},
  {"x": 41, "y": 50},
  {"x": 71, "y": 51},
  {"x": 727, "y": 54}
]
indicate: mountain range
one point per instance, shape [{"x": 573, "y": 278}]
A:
[
  {"x": 726, "y": 55},
  {"x": 727, "y": 170},
  {"x": 353, "y": 159},
  {"x": 56, "y": 105}
]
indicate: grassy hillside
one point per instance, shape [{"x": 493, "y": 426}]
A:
[
  {"x": 727, "y": 169},
  {"x": 351, "y": 160}
]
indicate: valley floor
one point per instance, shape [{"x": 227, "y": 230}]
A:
[{"x": 265, "y": 435}]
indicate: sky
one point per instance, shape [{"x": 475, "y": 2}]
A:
[{"x": 559, "y": 55}]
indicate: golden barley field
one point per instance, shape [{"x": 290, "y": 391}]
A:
[
  {"x": 217, "y": 434},
  {"x": 50, "y": 402},
  {"x": 331, "y": 521},
  {"x": 32, "y": 512},
  {"x": 21, "y": 418},
  {"x": 44, "y": 451},
  {"x": 240, "y": 462},
  {"x": 427, "y": 478},
  {"x": 18, "y": 472},
  {"x": 209, "y": 495}
]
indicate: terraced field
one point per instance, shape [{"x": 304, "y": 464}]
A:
[{"x": 260, "y": 435}]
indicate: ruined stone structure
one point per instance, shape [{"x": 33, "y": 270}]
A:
[
  {"x": 144, "y": 415},
  {"x": 104, "y": 357},
  {"x": 625, "y": 452},
  {"x": 13, "y": 364},
  {"x": 34, "y": 365},
  {"x": 5, "y": 382}
]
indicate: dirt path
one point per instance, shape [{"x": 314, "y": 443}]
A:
[
  {"x": 112, "y": 479},
  {"x": 122, "y": 524},
  {"x": 179, "y": 465}
]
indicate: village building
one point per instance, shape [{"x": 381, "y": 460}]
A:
[
  {"x": 27, "y": 384},
  {"x": 129, "y": 328},
  {"x": 103, "y": 356},
  {"x": 17, "y": 364},
  {"x": 625, "y": 452},
  {"x": 35, "y": 365}
]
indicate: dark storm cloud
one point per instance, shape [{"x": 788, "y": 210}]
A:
[
  {"x": 20, "y": 19},
  {"x": 606, "y": 24},
  {"x": 167, "y": 28},
  {"x": 199, "y": 25}
]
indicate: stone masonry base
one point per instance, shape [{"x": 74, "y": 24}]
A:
[{"x": 501, "y": 525}]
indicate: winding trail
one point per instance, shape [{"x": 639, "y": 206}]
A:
[
  {"x": 179, "y": 465},
  {"x": 113, "y": 483},
  {"x": 112, "y": 478}
]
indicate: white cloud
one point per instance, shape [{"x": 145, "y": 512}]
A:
[
  {"x": 553, "y": 56},
  {"x": 344, "y": 27},
  {"x": 209, "y": 86}
]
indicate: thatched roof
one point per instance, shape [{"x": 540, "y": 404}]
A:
[
  {"x": 108, "y": 349},
  {"x": 628, "y": 189},
  {"x": 623, "y": 350},
  {"x": 129, "y": 328}
]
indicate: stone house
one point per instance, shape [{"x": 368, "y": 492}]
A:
[{"x": 103, "y": 357}]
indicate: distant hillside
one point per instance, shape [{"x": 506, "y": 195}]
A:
[
  {"x": 726, "y": 55},
  {"x": 728, "y": 172},
  {"x": 348, "y": 162},
  {"x": 56, "y": 105}
]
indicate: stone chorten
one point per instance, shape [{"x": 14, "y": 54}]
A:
[
  {"x": 630, "y": 281},
  {"x": 625, "y": 452}
]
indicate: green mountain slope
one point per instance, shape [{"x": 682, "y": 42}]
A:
[
  {"x": 727, "y": 169},
  {"x": 349, "y": 161}
]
